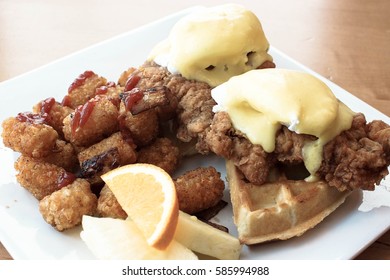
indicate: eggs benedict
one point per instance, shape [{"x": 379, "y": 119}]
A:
[
  {"x": 214, "y": 44},
  {"x": 293, "y": 151}
]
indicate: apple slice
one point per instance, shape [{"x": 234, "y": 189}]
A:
[
  {"x": 205, "y": 239},
  {"x": 115, "y": 239}
]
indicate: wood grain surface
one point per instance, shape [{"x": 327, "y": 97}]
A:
[{"x": 346, "y": 41}]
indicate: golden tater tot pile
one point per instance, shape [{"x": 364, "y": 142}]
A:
[{"x": 65, "y": 146}]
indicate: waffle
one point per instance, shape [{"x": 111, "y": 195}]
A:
[{"x": 281, "y": 209}]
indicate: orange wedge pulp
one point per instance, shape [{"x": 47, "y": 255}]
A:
[{"x": 148, "y": 195}]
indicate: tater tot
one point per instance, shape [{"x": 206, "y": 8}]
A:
[
  {"x": 111, "y": 91},
  {"x": 91, "y": 122},
  {"x": 125, "y": 75},
  {"x": 106, "y": 155},
  {"x": 143, "y": 128},
  {"x": 199, "y": 189},
  {"x": 108, "y": 205},
  {"x": 63, "y": 155},
  {"x": 55, "y": 111},
  {"x": 64, "y": 209},
  {"x": 40, "y": 178},
  {"x": 162, "y": 152},
  {"x": 83, "y": 89},
  {"x": 149, "y": 77},
  {"x": 29, "y": 135}
]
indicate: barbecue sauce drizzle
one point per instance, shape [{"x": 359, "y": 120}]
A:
[{"x": 82, "y": 114}]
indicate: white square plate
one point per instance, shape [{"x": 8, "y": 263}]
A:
[{"x": 26, "y": 235}]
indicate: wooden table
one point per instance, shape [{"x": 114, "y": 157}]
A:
[{"x": 346, "y": 41}]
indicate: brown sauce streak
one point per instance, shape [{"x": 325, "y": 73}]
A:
[
  {"x": 132, "y": 98},
  {"x": 32, "y": 118},
  {"x": 82, "y": 114},
  {"x": 66, "y": 178},
  {"x": 132, "y": 82},
  {"x": 104, "y": 89},
  {"x": 80, "y": 80},
  {"x": 47, "y": 104},
  {"x": 66, "y": 101}
]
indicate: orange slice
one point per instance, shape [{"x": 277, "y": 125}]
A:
[{"x": 148, "y": 195}]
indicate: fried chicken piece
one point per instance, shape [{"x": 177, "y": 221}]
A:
[
  {"x": 162, "y": 152},
  {"x": 108, "y": 205},
  {"x": 355, "y": 159},
  {"x": 91, "y": 122},
  {"x": 83, "y": 89},
  {"x": 166, "y": 112},
  {"x": 55, "y": 111},
  {"x": 379, "y": 131},
  {"x": 199, "y": 189},
  {"x": 289, "y": 145},
  {"x": 64, "y": 208},
  {"x": 195, "y": 113},
  {"x": 225, "y": 141},
  {"x": 152, "y": 75},
  {"x": 193, "y": 99},
  {"x": 28, "y": 134},
  {"x": 194, "y": 109},
  {"x": 40, "y": 178},
  {"x": 106, "y": 155}
]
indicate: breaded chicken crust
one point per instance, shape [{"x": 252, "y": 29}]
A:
[
  {"x": 225, "y": 141},
  {"x": 194, "y": 101},
  {"x": 379, "y": 131},
  {"x": 357, "y": 158}
]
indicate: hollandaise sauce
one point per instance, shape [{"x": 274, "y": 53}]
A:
[
  {"x": 214, "y": 44},
  {"x": 259, "y": 102}
]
